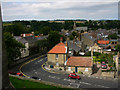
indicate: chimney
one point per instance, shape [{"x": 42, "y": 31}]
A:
[{"x": 61, "y": 39}]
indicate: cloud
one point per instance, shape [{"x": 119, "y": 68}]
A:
[{"x": 55, "y": 10}]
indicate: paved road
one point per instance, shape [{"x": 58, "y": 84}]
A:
[{"x": 34, "y": 69}]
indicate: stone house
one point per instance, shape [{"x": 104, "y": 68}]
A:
[
  {"x": 79, "y": 64},
  {"x": 57, "y": 56},
  {"x": 96, "y": 48},
  {"x": 24, "y": 51},
  {"x": 88, "y": 40}
]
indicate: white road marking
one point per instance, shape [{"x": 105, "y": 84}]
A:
[
  {"x": 85, "y": 83},
  {"x": 70, "y": 80},
  {"x": 53, "y": 77},
  {"x": 75, "y": 85},
  {"x": 102, "y": 86},
  {"x": 36, "y": 72}
]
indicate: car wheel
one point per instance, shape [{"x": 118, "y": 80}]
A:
[{"x": 69, "y": 77}]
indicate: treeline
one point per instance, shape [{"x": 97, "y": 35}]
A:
[{"x": 44, "y": 27}]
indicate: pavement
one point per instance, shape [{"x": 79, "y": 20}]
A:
[{"x": 35, "y": 68}]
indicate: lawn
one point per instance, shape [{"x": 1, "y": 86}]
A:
[{"x": 20, "y": 83}]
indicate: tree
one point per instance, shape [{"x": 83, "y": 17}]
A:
[
  {"x": 74, "y": 34},
  {"x": 54, "y": 38},
  {"x": 12, "y": 47},
  {"x": 113, "y": 36},
  {"x": 16, "y": 29},
  {"x": 45, "y": 30},
  {"x": 117, "y": 47}
]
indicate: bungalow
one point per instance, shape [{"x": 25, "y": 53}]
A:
[
  {"x": 79, "y": 64},
  {"x": 57, "y": 56}
]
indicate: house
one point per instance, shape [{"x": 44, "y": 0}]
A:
[
  {"x": 31, "y": 40},
  {"x": 79, "y": 29},
  {"x": 24, "y": 51},
  {"x": 96, "y": 48},
  {"x": 88, "y": 40},
  {"x": 57, "y": 56},
  {"x": 79, "y": 64},
  {"x": 114, "y": 41},
  {"x": 72, "y": 47}
]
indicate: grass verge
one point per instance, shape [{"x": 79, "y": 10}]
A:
[{"x": 20, "y": 83}]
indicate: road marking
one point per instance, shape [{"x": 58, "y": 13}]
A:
[
  {"x": 27, "y": 63},
  {"x": 53, "y": 77},
  {"x": 35, "y": 72},
  {"x": 76, "y": 85},
  {"x": 70, "y": 80},
  {"x": 102, "y": 86},
  {"x": 85, "y": 83}
]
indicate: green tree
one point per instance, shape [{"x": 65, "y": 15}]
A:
[
  {"x": 16, "y": 29},
  {"x": 54, "y": 38},
  {"x": 45, "y": 30},
  {"x": 74, "y": 34},
  {"x": 113, "y": 36},
  {"x": 117, "y": 47},
  {"x": 12, "y": 47}
]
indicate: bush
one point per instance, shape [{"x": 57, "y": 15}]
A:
[{"x": 80, "y": 72}]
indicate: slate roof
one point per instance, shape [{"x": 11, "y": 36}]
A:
[
  {"x": 73, "y": 46},
  {"x": 90, "y": 37},
  {"x": 59, "y": 48},
  {"x": 20, "y": 39},
  {"x": 79, "y": 61},
  {"x": 30, "y": 39},
  {"x": 42, "y": 37}
]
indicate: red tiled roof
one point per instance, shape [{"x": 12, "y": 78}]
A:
[
  {"x": 37, "y": 36},
  {"x": 103, "y": 42},
  {"x": 27, "y": 34},
  {"x": 80, "y": 61},
  {"x": 59, "y": 48}
]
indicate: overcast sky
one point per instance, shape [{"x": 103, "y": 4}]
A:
[{"x": 59, "y": 10}]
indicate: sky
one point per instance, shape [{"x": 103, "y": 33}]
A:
[{"x": 56, "y": 9}]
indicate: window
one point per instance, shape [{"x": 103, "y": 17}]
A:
[
  {"x": 56, "y": 55},
  {"x": 51, "y": 66}
]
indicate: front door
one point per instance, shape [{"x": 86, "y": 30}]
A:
[{"x": 76, "y": 69}]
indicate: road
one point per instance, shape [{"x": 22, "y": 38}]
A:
[{"x": 34, "y": 69}]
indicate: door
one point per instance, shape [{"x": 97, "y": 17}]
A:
[{"x": 76, "y": 69}]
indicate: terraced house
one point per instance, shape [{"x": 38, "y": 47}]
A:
[{"x": 57, "y": 56}]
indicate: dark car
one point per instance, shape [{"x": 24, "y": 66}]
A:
[
  {"x": 103, "y": 65},
  {"x": 74, "y": 76},
  {"x": 13, "y": 73},
  {"x": 37, "y": 78}
]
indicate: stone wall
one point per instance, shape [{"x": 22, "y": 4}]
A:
[{"x": 53, "y": 60}]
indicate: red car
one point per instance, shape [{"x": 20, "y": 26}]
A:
[
  {"x": 104, "y": 66},
  {"x": 20, "y": 74},
  {"x": 74, "y": 76}
]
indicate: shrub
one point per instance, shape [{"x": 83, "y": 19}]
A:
[{"x": 80, "y": 72}]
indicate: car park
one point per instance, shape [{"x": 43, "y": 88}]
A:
[{"x": 74, "y": 76}]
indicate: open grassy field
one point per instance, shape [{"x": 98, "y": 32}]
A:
[{"x": 7, "y": 24}]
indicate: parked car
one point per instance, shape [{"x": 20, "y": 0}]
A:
[
  {"x": 20, "y": 74},
  {"x": 37, "y": 78},
  {"x": 74, "y": 76},
  {"x": 103, "y": 65},
  {"x": 13, "y": 73}
]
